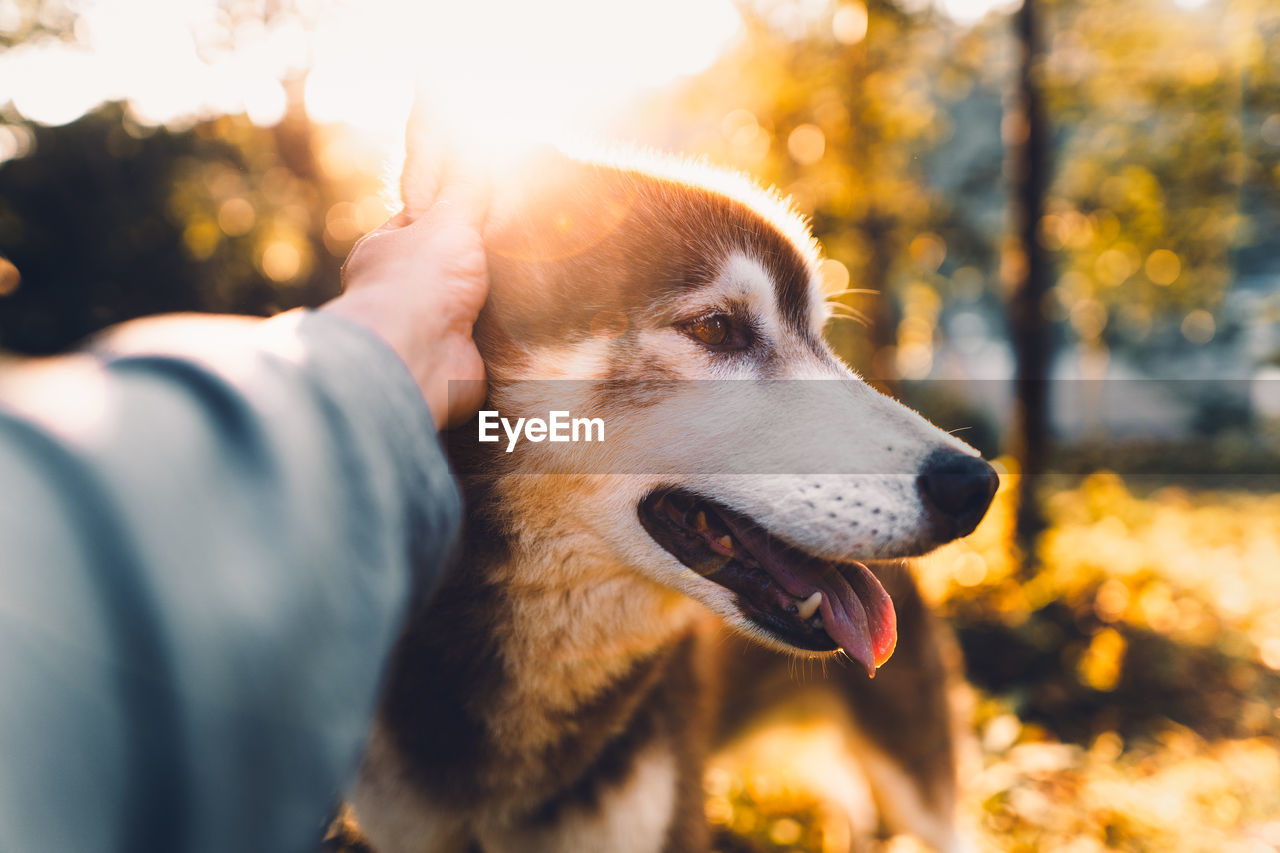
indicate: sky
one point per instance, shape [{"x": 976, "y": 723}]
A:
[
  {"x": 520, "y": 60},
  {"x": 520, "y": 63},
  {"x": 499, "y": 66}
]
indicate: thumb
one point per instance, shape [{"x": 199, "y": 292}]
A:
[{"x": 464, "y": 196}]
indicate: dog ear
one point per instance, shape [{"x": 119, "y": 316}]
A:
[
  {"x": 559, "y": 251},
  {"x": 551, "y": 207}
]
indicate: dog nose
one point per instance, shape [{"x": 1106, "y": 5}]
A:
[{"x": 957, "y": 488}]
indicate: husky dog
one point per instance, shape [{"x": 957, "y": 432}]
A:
[{"x": 563, "y": 690}]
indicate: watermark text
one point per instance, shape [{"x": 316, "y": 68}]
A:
[{"x": 559, "y": 426}]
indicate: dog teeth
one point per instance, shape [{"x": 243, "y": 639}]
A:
[
  {"x": 809, "y": 606},
  {"x": 700, "y": 520},
  {"x": 725, "y": 542}
]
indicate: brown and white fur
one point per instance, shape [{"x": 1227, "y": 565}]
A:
[{"x": 564, "y": 688}]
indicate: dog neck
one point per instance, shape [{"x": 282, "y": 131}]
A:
[
  {"x": 536, "y": 645},
  {"x": 575, "y": 617}
]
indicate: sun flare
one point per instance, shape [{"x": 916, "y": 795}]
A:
[{"x": 494, "y": 70}]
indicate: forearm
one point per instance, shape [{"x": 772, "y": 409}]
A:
[{"x": 217, "y": 551}]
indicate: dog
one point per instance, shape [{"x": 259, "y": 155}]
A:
[{"x": 604, "y": 631}]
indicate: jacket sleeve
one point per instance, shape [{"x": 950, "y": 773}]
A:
[{"x": 210, "y": 530}]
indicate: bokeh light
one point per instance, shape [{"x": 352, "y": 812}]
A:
[{"x": 849, "y": 23}]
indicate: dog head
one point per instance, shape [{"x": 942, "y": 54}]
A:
[{"x": 662, "y": 286}]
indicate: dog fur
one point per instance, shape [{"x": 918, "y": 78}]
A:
[{"x": 564, "y": 689}]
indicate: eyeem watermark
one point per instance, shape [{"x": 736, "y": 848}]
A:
[{"x": 559, "y": 426}]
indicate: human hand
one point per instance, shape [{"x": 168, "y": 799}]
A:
[{"x": 419, "y": 284}]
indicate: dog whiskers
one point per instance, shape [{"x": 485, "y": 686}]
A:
[{"x": 849, "y": 314}]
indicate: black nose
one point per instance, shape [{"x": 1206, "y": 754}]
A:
[{"x": 957, "y": 489}]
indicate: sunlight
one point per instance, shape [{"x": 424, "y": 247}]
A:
[
  {"x": 501, "y": 69},
  {"x": 969, "y": 11},
  {"x": 509, "y": 70},
  {"x": 169, "y": 72}
]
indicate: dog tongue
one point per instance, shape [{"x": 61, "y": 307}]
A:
[
  {"x": 856, "y": 611},
  {"x": 858, "y": 614}
]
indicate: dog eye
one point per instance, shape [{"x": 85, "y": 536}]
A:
[{"x": 713, "y": 330}]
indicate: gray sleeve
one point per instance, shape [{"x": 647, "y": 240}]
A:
[{"x": 210, "y": 529}]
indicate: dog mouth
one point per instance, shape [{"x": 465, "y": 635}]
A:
[{"x": 807, "y": 602}]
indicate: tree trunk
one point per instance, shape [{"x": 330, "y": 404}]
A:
[
  {"x": 1028, "y": 276},
  {"x": 877, "y": 231}
]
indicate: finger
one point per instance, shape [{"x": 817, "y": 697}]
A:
[
  {"x": 426, "y": 147},
  {"x": 464, "y": 195},
  {"x": 395, "y": 223},
  {"x": 399, "y": 219}
]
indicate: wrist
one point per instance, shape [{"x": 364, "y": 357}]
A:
[{"x": 430, "y": 347}]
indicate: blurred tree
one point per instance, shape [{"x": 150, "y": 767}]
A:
[
  {"x": 1146, "y": 208},
  {"x": 106, "y": 220},
  {"x": 1028, "y": 276},
  {"x": 24, "y": 20}
]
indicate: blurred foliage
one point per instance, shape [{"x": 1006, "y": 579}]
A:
[
  {"x": 107, "y": 220},
  {"x": 887, "y": 128},
  {"x": 1165, "y": 177},
  {"x": 1174, "y": 792},
  {"x": 25, "y": 20},
  {"x": 1149, "y": 608}
]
